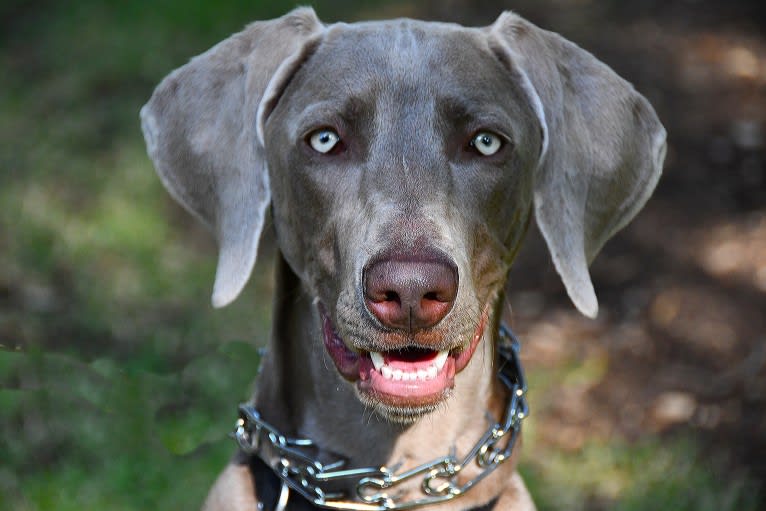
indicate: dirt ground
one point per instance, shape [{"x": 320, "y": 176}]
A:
[{"x": 683, "y": 289}]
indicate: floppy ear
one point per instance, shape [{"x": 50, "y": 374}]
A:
[
  {"x": 200, "y": 128},
  {"x": 602, "y": 153}
]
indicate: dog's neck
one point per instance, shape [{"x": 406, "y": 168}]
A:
[{"x": 301, "y": 394}]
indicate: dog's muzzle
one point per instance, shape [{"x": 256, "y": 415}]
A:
[{"x": 291, "y": 461}]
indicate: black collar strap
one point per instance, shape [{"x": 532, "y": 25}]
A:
[{"x": 269, "y": 489}]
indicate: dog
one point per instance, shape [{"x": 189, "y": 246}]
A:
[{"x": 401, "y": 162}]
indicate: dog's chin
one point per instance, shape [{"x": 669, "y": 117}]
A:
[
  {"x": 400, "y": 384},
  {"x": 403, "y": 415}
]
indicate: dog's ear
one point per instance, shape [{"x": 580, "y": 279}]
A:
[
  {"x": 202, "y": 131},
  {"x": 602, "y": 152}
]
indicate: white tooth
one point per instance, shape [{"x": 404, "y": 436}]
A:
[
  {"x": 377, "y": 360},
  {"x": 397, "y": 374},
  {"x": 387, "y": 372},
  {"x": 432, "y": 372},
  {"x": 406, "y": 376},
  {"x": 440, "y": 359},
  {"x": 422, "y": 374}
]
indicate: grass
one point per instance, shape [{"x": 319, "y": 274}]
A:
[
  {"x": 650, "y": 474},
  {"x": 117, "y": 380}
]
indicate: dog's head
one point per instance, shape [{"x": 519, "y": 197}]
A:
[{"x": 403, "y": 161}]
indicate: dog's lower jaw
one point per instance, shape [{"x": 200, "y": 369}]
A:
[{"x": 402, "y": 415}]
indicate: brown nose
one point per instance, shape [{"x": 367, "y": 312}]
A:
[{"x": 410, "y": 293}]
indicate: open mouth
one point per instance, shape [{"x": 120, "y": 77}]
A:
[{"x": 409, "y": 377}]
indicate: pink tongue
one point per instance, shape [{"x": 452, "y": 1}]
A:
[{"x": 408, "y": 361}]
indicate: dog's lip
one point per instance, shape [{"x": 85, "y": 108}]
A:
[
  {"x": 346, "y": 360},
  {"x": 417, "y": 384}
]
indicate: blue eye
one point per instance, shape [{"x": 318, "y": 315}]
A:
[
  {"x": 486, "y": 143},
  {"x": 323, "y": 140}
]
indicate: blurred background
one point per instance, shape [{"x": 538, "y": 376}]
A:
[{"x": 118, "y": 382}]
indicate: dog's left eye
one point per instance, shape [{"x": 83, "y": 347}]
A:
[
  {"x": 323, "y": 140},
  {"x": 486, "y": 143}
]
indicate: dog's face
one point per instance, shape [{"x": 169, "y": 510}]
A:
[
  {"x": 402, "y": 161},
  {"x": 413, "y": 170}
]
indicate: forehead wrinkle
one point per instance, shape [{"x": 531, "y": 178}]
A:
[
  {"x": 408, "y": 47},
  {"x": 405, "y": 37},
  {"x": 367, "y": 56},
  {"x": 399, "y": 49}
]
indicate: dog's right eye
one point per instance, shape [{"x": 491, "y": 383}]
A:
[
  {"x": 323, "y": 140},
  {"x": 486, "y": 143}
]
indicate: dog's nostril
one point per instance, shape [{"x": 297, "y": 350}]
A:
[
  {"x": 392, "y": 296},
  {"x": 440, "y": 296}
]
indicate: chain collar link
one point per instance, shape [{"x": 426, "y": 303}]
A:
[{"x": 307, "y": 476}]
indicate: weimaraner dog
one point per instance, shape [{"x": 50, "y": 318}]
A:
[{"x": 402, "y": 162}]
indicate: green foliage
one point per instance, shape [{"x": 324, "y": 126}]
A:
[{"x": 118, "y": 383}]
